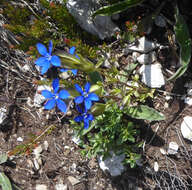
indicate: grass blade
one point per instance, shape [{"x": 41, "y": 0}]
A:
[
  {"x": 183, "y": 38},
  {"x": 116, "y": 8}
]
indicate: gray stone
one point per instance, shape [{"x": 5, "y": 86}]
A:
[
  {"x": 112, "y": 164},
  {"x": 102, "y": 26},
  {"x": 142, "y": 46},
  {"x": 152, "y": 75},
  {"x": 160, "y": 21},
  {"x": 147, "y": 58},
  {"x": 74, "y": 184},
  {"x": 3, "y": 114}
]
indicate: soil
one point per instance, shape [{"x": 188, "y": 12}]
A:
[{"x": 62, "y": 159}]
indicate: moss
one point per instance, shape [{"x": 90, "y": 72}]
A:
[
  {"x": 55, "y": 22},
  {"x": 16, "y": 16}
]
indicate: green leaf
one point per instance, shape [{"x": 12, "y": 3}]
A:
[
  {"x": 183, "y": 38},
  {"x": 116, "y": 8},
  {"x": 144, "y": 112},
  {"x": 4, "y": 182},
  {"x": 71, "y": 62},
  {"x": 95, "y": 77},
  {"x": 3, "y": 158},
  {"x": 97, "y": 89},
  {"x": 98, "y": 109}
]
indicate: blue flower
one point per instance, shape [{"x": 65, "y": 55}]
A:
[
  {"x": 47, "y": 59},
  {"x": 74, "y": 71},
  {"x": 85, "y": 117},
  {"x": 55, "y": 97},
  {"x": 85, "y": 97}
]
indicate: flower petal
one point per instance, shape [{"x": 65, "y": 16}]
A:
[
  {"x": 74, "y": 71},
  {"x": 77, "y": 56},
  {"x": 41, "y": 61},
  {"x": 61, "y": 105},
  {"x": 41, "y": 49},
  {"x": 93, "y": 97},
  {"x": 64, "y": 70},
  {"x": 50, "y": 104},
  {"x": 55, "y": 61},
  {"x": 79, "y": 109},
  {"x": 88, "y": 103},
  {"x": 47, "y": 94},
  {"x": 87, "y": 87},
  {"x": 72, "y": 50},
  {"x": 79, "y": 89},
  {"x": 79, "y": 99},
  {"x": 55, "y": 85},
  {"x": 79, "y": 118},
  {"x": 50, "y": 46},
  {"x": 86, "y": 124},
  {"x": 45, "y": 68},
  {"x": 90, "y": 117},
  {"x": 63, "y": 94}
]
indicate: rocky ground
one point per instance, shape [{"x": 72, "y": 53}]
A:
[{"x": 54, "y": 162}]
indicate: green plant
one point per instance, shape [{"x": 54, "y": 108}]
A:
[
  {"x": 183, "y": 38},
  {"x": 4, "y": 180},
  {"x": 111, "y": 131}
]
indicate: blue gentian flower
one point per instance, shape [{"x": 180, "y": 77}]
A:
[
  {"x": 47, "y": 59},
  {"x": 74, "y": 71},
  {"x": 85, "y": 97},
  {"x": 85, "y": 117},
  {"x": 55, "y": 97}
]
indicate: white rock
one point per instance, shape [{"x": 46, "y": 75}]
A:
[
  {"x": 82, "y": 10},
  {"x": 38, "y": 98},
  {"x": 76, "y": 140},
  {"x": 163, "y": 151},
  {"x": 64, "y": 75},
  {"x": 3, "y": 114},
  {"x": 186, "y": 127},
  {"x": 160, "y": 21},
  {"x": 41, "y": 187},
  {"x": 37, "y": 151},
  {"x": 167, "y": 97},
  {"x": 29, "y": 102},
  {"x": 188, "y": 101},
  {"x": 189, "y": 92},
  {"x": 173, "y": 148},
  {"x": 26, "y": 68},
  {"x": 60, "y": 187},
  {"x": 46, "y": 145},
  {"x": 135, "y": 55},
  {"x": 147, "y": 58},
  {"x": 152, "y": 75},
  {"x": 36, "y": 164},
  {"x": 112, "y": 164},
  {"x": 107, "y": 64},
  {"x": 156, "y": 166},
  {"x": 20, "y": 139},
  {"x": 142, "y": 46}
]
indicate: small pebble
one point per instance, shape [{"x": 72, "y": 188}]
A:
[
  {"x": 173, "y": 148},
  {"x": 156, "y": 166},
  {"x": 20, "y": 139}
]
